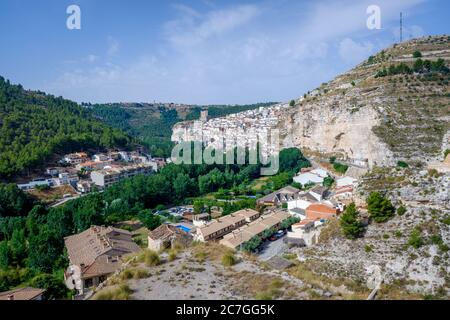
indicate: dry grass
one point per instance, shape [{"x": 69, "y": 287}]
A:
[
  {"x": 331, "y": 231},
  {"x": 52, "y": 194},
  {"x": 172, "y": 255},
  {"x": 209, "y": 251},
  {"x": 261, "y": 287},
  {"x": 303, "y": 272},
  {"x": 396, "y": 292},
  {"x": 134, "y": 273},
  {"x": 229, "y": 259},
  {"x": 149, "y": 257},
  {"x": 121, "y": 292}
]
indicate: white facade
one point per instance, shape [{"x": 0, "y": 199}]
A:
[
  {"x": 316, "y": 195},
  {"x": 307, "y": 177},
  {"x": 320, "y": 172},
  {"x": 302, "y": 204},
  {"x": 345, "y": 181}
]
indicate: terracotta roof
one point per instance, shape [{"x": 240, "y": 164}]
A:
[
  {"x": 245, "y": 233},
  {"x": 97, "y": 250},
  {"x": 165, "y": 231},
  {"x": 228, "y": 221},
  {"x": 21, "y": 294},
  {"x": 318, "y": 211},
  {"x": 344, "y": 189},
  {"x": 302, "y": 223}
]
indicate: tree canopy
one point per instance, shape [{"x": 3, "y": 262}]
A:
[{"x": 380, "y": 208}]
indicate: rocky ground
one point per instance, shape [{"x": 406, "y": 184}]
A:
[
  {"x": 407, "y": 271},
  {"x": 198, "y": 273}
]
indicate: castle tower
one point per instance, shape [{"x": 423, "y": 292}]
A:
[{"x": 204, "y": 115}]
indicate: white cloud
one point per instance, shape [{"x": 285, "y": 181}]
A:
[
  {"x": 191, "y": 29},
  {"x": 353, "y": 52}
]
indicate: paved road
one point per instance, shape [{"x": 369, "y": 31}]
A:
[{"x": 272, "y": 249}]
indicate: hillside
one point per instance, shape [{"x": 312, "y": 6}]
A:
[
  {"x": 391, "y": 107},
  {"x": 34, "y": 126},
  {"x": 152, "y": 123}
]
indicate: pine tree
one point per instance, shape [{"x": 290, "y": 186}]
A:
[
  {"x": 380, "y": 208},
  {"x": 351, "y": 226}
]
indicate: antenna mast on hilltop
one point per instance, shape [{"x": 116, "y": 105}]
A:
[{"x": 401, "y": 27}]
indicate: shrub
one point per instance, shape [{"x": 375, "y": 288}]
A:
[
  {"x": 368, "y": 248},
  {"x": 134, "y": 274},
  {"x": 292, "y": 103},
  {"x": 417, "y": 54},
  {"x": 54, "y": 287},
  {"x": 263, "y": 295},
  {"x": 201, "y": 256},
  {"x": 402, "y": 164},
  {"x": 401, "y": 210},
  {"x": 151, "y": 258},
  {"x": 251, "y": 244},
  {"x": 340, "y": 168},
  {"x": 328, "y": 182},
  {"x": 433, "y": 173},
  {"x": 122, "y": 292},
  {"x": 415, "y": 239},
  {"x": 446, "y": 153},
  {"x": 380, "y": 209},
  {"x": 446, "y": 220},
  {"x": 172, "y": 255},
  {"x": 351, "y": 226},
  {"x": 228, "y": 259},
  {"x": 398, "y": 234}
]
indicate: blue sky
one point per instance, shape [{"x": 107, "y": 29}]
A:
[{"x": 199, "y": 52}]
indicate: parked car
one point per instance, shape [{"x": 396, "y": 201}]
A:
[{"x": 273, "y": 238}]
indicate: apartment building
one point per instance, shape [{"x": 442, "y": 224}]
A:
[
  {"x": 113, "y": 174},
  {"x": 238, "y": 237},
  {"x": 217, "y": 228}
]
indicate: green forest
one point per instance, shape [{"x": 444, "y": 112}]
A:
[{"x": 34, "y": 126}]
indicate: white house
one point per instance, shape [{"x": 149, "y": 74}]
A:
[
  {"x": 345, "y": 181},
  {"x": 100, "y": 157},
  {"x": 306, "y": 231},
  {"x": 63, "y": 178},
  {"x": 308, "y": 177},
  {"x": 299, "y": 203},
  {"x": 320, "y": 172}
]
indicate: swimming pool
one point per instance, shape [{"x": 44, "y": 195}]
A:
[{"x": 184, "y": 228}]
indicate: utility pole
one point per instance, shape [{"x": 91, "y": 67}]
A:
[{"x": 401, "y": 27}]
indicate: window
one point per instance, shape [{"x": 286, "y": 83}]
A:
[{"x": 88, "y": 283}]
